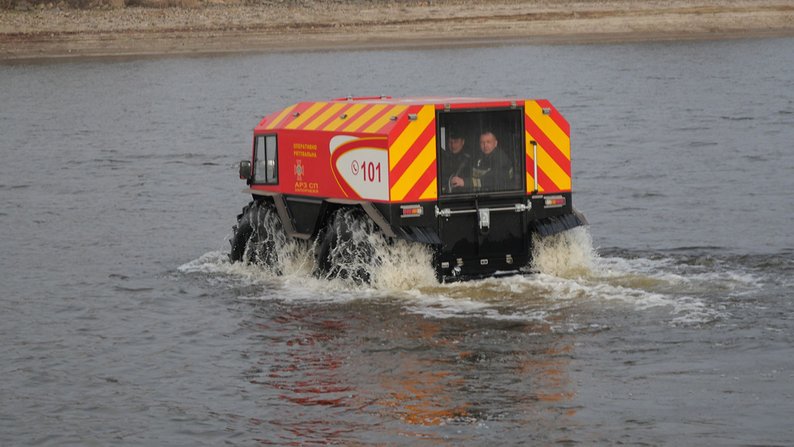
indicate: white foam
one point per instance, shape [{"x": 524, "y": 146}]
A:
[
  {"x": 402, "y": 265},
  {"x": 567, "y": 254},
  {"x": 570, "y": 273}
]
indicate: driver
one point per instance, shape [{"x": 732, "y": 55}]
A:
[{"x": 492, "y": 171}]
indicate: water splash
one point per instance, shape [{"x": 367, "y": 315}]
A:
[
  {"x": 568, "y": 274},
  {"x": 272, "y": 250},
  {"x": 568, "y": 254},
  {"x": 403, "y": 265}
]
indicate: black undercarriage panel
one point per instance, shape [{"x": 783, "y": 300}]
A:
[
  {"x": 472, "y": 236},
  {"x": 481, "y": 236}
]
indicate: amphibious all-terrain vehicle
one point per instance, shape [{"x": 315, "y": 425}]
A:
[{"x": 474, "y": 179}]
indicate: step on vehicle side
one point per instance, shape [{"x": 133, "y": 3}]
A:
[{"x": 472, "y": 178}]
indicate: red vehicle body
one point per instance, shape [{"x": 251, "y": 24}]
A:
[{"x": 390, "y": 162}]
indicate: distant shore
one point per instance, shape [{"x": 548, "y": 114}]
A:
[{"x": 55, "y": 31}]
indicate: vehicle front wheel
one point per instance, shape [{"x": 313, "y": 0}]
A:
[
  {"x": 257, "y": 235},
  {"x": 345, "y": 249}
]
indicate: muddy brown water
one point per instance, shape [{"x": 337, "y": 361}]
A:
[{"x": 668, "y": 321}]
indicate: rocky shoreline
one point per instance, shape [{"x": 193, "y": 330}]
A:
[{"x": 53, "y": 30}]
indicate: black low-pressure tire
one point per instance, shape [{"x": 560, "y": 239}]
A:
[
  {"x": 254, "y": 237},
  {"x": 344, "y": 249},
  {"x": 240, "y": 235}
]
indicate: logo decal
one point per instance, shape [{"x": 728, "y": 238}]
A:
[
  {"x": 299, "y": 170},
  {"x": 361, "y": 166}
]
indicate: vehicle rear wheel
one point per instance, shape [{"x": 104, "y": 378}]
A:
[
  {"x": 345, "y": 249},
  {"x": 256, "y": 235}
]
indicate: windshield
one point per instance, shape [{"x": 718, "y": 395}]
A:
[{"x": 481, "y": 151}]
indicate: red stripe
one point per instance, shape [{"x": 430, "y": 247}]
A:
[
  {"x": 333, "y": 117},
  {"x": 481, "y": 104},
  {"x": 311, "y": 119},
  {"x": 412, "y": 153},
  {"x": 537, "y": 134},
  {"x": 298, "y": 108},
  {"x": 561, "y": 122},
  {"x": 392, "y": 123},
  {"x": 377, "y": 116},
  {"x": 371, "y": 142},
  {"x": 421, "y": 185},
  {"x": 350, "y": 119},
  {"x": 402, "y": 123},
  {"x": 543, "y": 180},
  {"x": 546, "y": 182},
  {"x": 346, "y": 188}
]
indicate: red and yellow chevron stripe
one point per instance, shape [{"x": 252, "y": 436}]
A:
[
  {"x": 412, "y": 142},
  {"x": 412, "y": 157},
  {"x": 553, "y": 136},
  {"x": 336, "y": 116}
]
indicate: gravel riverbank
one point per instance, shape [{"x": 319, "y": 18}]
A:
[{"x": 57, "y": 31}]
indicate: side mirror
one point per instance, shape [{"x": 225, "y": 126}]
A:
[{"x": 245, "y": 170}]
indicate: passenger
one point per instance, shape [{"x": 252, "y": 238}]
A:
[
  {"x": 492, "y": 171},
  {"x": 455, "y": 162}
]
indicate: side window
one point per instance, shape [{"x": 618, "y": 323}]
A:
[{"x": 266, "y": 161}]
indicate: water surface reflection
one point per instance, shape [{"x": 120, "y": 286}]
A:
[{"x": 405, "y": 377}]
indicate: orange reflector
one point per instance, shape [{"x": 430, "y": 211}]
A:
[
  {"x": 411, "y": 210},
  {"x": 555, "y": 201}
]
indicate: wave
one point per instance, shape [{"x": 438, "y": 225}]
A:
[{"x": 567, "y": 276}]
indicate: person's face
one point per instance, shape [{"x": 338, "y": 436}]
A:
[
  {"x": 487, "y": 143},
  {"x": 456, "y": 145}
]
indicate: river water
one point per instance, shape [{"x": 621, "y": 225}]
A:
[{"x": 667, "y": 321}]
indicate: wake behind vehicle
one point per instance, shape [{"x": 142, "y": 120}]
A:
[{"x": 473, "y": 179}]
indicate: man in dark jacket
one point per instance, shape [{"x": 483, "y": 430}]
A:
[
  {"x": 492, "y": 171},
  {"x": 454, "y": 162}
]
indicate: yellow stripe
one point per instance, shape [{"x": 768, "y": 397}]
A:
[
  {"x": 531, "y": 184},
  {"x": 323, "y": 117},
  {"x": 414, "y": 171},
  {"x": 339, "y": 121},
  {"x": 552, "y": 170},
  {"x": 549, "y": 128},
  {"x": 306, "y": 115},
  {"x": 366, "y": 116},
  {"x": 431, "y": 192},
  {"x": 395, "y": 111},
  {"x": 281, "y": 116},
  {"x": 530, "y": 168},
  {"x": 410, "y": 134}
]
